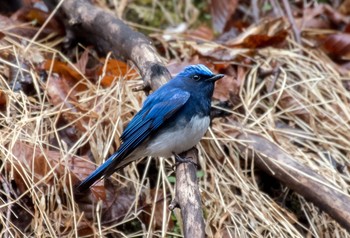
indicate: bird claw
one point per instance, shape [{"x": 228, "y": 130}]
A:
[{"x": 180, "y": 160}]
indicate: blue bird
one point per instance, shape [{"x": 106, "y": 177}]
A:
[{"x": 172, "y": 120}]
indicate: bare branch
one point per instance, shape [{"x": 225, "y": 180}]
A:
[
  {"x": 187, "y": 196},
  {"x": 303, "y": 180},
  {"x": 109, "y": 34}
]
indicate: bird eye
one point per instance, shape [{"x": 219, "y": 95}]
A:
[{"x": 196, "y": 77}]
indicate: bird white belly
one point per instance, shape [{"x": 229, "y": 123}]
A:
[{"x": 179, "y": 140}]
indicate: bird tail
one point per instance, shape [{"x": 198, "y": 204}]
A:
[{"x": 102, "y": 171}]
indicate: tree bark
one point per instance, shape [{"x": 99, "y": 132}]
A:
[
  {"x": 303, "y": 180},
  {"x": 187, "y": 196},
  {"x": 108, "y": 34}
]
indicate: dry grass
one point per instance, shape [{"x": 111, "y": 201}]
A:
[
  {"x": 307, "y": 114},
  {"x": 304, "y": 109}
]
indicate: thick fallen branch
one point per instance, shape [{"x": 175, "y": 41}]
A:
[
  {"x": 109, "y": 34},
  {"x": 298, "y": 177}
]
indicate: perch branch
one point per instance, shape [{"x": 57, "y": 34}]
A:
[
  {"x": 187, "y": 196},
  {"x": 303, "y": 180}
]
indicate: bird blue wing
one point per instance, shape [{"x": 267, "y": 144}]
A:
[
  {"x": 154, "y": 113},
  {"x": 174, "y": 96}
]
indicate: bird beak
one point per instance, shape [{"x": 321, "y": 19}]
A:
[{"x": 215, "y": 77}]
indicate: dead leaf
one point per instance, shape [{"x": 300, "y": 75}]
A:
[
  {"x": 19, "y": 75},
  {"x": 3, "y": 100},
  {"x": 224, "y": 87},
  {"x": 44, "y": 165},
  {"x": 344, "y": 8},
  {"x": 63, "y": 95},
  {"x": 217, "y": 51},
  {"x": 229, "y": 86},
  {"x": 268, "y": 32},
  {"x": 83, "y": 60},
  {"x": 28, "y": 14},
  {"x": 148, "y": 209},
  {"x": 115, "y": 69},
  {"x": 117, "y": 204},
  {"x": 321, "y": 16},
  {"x": 202, "y": 32},
  {"x": 221, "y": 12},
  {"x": 14, "y": 27},
  {"x": 63, "y": 69},
  {"x": 337, "y": 45}
]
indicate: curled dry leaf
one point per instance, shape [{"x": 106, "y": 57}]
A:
[
  {"x": 221, "y": 12},
  {"x": 268, "y": 32},
  {"x": 11, "y": 27},
  {"x": 337, "y": 45},
  {"x": 217, "y": 51},
  {"x": 3, "y": 100},
  {"x": 69, "y": 73},
  {"x": 344, "y": 7},
  {"x": 63, "y": 95},
  {"x": 40, "y": 17},
  {"x": 225, "y": 87},
  {"x": 113, "y": 70},
  {"x": 44, "y": 166},
  {"x": 322, "y": 16}
]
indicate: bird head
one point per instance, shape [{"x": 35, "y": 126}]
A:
[{"x": 199, "y": 74}]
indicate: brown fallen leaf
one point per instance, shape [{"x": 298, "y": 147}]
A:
[
  {"x": 202, "y": 32},
  {"x": 224, "y": 88},
  {"x": 217, "y": 51},
  {"x": 312, "y": 17},
  {"x": 30, "y": 14},
  {"x": 114, "y": 69},
  {"x": 268, "y": 32},
  {"x": 44, "y": 166},
  {"x": 221, "y": 12},
  {"x": 63, "y": 69},
  {"x": 3, "y": 100},
  {"x": 63, "y": 95},
  {"x": 337, "y": 45},
  {"x": 148, "y": 203},
  {"x": 344, "y": 8},
  {"x": 12, "y": 27},
  {"x": 230, "y": 85}
]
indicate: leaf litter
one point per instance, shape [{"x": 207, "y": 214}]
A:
[{"x": 296, "y": 96}]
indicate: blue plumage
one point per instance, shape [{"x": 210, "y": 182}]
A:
[{"x": 172, "y": 120}]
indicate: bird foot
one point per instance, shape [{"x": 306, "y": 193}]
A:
[{"x": 180, "y": 160}]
